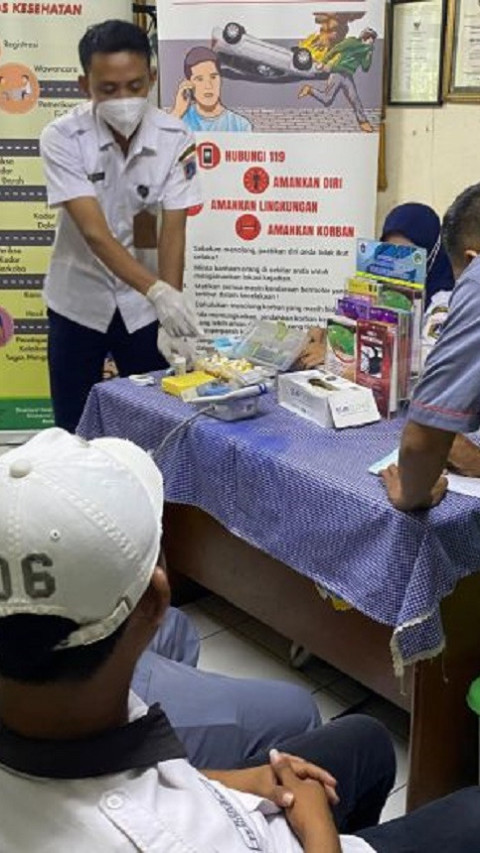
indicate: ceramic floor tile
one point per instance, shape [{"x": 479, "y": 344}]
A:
[
  {"x": 231, "y": 653},
  {"x": 205, "y": 624},
  {"x": 327, "y": 705},
  {"x": 222, "y": 611},
  {"x": 315, "y": 670},
  {"x": 401, "y": 754},
  {"x": 395, "y": 805}
]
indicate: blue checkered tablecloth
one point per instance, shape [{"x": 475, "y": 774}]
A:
[{"x": 303, "y": 494}]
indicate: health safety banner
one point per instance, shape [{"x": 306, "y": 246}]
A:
[
  {"x": 38, "y": 82},
  {"x": 285, "y": 102}
]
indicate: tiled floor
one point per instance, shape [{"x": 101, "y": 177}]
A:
[{"x": 233, "y": 643}]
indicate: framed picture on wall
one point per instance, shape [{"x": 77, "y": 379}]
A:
[
  {"x": 462, "y": 55},
  {"x": 417, "y": 34}
]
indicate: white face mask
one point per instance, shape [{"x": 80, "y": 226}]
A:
[{"x": 123, "y": 114}]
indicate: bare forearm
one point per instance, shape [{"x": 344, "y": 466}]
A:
[
  {"x": 320, "y": 844},
  {"x": 171, "y": 258},
  {"x": 323, "y": 836},
  {"x": 318, "y": 834},
  {"x": 423, "y": 456},
  {"x": 121, "y": 263},
  {"x": 239, "y": 780},
  {"x": 90, "y": 220}
]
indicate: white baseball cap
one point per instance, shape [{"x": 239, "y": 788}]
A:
[{"x": 80, "y": 530}]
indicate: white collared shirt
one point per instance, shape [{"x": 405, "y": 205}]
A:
[
  {"x": 81, "y": 158},
  {"x": 167, "y": 808}
]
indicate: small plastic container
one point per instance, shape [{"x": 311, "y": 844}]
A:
[
  {"x": 179, "y": 365},
  {"x": 271, "y": 345}
]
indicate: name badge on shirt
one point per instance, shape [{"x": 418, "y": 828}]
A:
[{"x": 96, "y": 176}]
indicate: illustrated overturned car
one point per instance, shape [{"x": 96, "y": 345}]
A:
[{"x": 241, "y": 55}]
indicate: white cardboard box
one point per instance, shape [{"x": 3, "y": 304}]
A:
[{"x": 339, "y": 403}]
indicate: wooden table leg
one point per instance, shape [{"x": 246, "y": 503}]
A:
[{"x": 444, "y": 732}]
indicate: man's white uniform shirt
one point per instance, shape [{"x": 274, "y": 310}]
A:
[
  {"x": 81, "y": 158},
  {"x": 129, "y": 790}
]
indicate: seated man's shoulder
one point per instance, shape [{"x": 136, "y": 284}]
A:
[
  {"x": 466, "y": 293},
  {"x": 471, "y": 275}
]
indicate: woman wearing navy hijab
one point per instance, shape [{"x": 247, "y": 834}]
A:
[
  {"x": 418, "y": 225},
  {"x": 411, "y": 224}
]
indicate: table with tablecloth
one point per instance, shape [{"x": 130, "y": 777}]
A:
[
  {"x": 269, "y": 511},
  {"x": 304, "y": 495}
]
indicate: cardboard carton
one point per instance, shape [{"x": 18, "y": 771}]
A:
[{"x": 328, "y": 400}]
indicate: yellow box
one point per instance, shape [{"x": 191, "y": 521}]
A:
[{"x": 176, "y": 385}]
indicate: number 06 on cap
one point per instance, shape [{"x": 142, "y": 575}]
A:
[{"x": 80, "y": 530}]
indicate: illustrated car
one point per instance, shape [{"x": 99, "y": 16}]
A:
[{"x": 242, "y": 56}]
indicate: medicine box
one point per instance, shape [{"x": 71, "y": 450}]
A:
[{"x": 326, "y": 399}]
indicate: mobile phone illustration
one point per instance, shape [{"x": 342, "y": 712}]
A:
[{"x": 206, "y": 156}]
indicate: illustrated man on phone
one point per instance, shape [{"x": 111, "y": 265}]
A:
[{"x": 198, "y": 100}]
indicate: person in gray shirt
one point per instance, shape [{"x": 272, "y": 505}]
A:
[{"x": 446, "y": 401}]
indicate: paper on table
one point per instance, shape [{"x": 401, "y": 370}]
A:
[
  {"x": 464, "y": 485},
  {"x": 469, "y": 486},
  {"x": 379, "y": 466}
]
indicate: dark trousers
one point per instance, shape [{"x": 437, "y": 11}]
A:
[
  {"x": 449, "y": 825},
  {"x": 76, "y": 355},
  {"x": 358, "y": 751}
]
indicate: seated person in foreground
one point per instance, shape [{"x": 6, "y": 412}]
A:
[
  {"x": 84, "y": 764},
  {"x": 410, "y": 224}
]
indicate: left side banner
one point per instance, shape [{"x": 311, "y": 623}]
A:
[{"x": 38, "y": 82}]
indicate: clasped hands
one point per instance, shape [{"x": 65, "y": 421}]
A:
[
  {"x": 304, "y": 791},
  {"x": 279, "y": 780}
]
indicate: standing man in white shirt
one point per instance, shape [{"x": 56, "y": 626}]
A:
[
  {"x": 85, "y": 767},
  {"x": 111, "y": 166}
]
